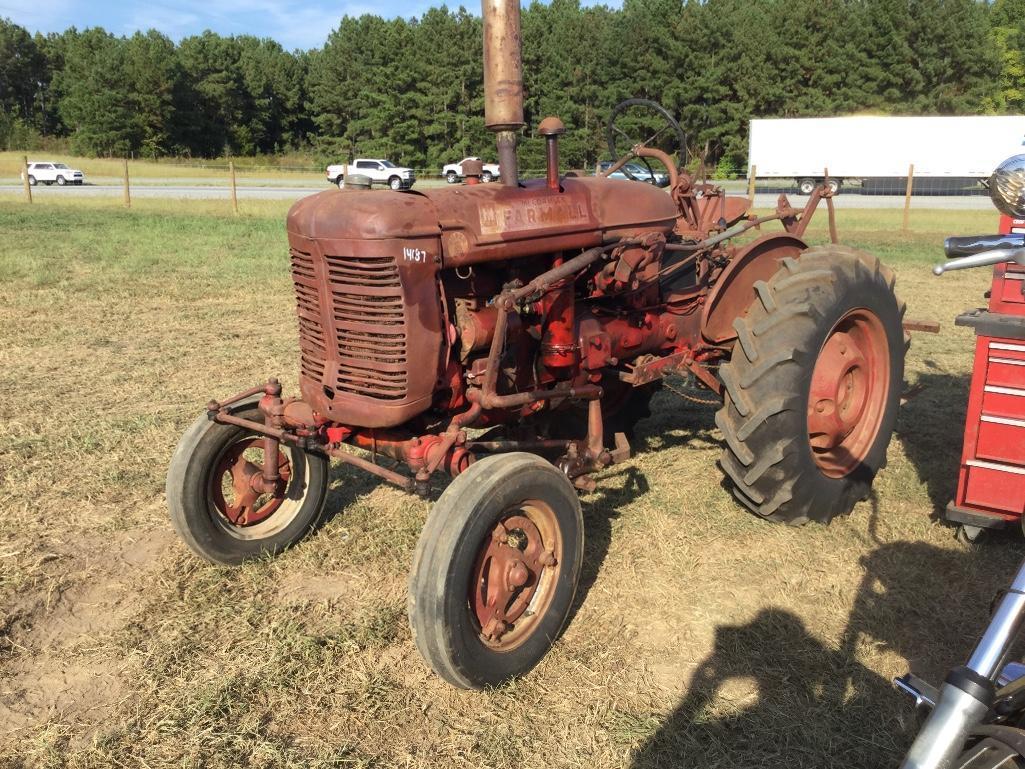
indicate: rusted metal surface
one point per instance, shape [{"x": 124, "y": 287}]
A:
[
  {"x": 240, "y": 472},
  {"x": 733, "y": 291},
  {"x": 848, "y": 393},
  {"x": 423, "y": 313},
  {"x": 402, "y": 481},
  {"x": 494, "y": 223},
  {"x": 370, "y": 323},
  {"x": 503, "y": 66},
  {"x": 503, "y": 82},
  {"x": 925, "y": 326},
  {"x": 517, "y": 566},
  {"x": 472, "y": 171},
  {"x": 552, "y": 128}
]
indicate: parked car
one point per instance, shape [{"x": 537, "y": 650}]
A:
[
  {"x": 52, "y": 173},
  {"x": 453, "y": 172},
  {"x": 638, "y": 171},
  {"x": 379, "y": 171}
]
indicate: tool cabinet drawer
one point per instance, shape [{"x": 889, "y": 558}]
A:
[
  {"x": 1004, "y": 401},
  {"x": 995, "y": 486},
  {"x": 1002, "y": 440},
  {"x": 1005, "y": 372}
]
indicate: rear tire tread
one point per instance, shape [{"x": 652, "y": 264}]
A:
[{"x": 787, "y": 310}]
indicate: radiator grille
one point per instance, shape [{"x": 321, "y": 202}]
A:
[
  {"x": 369, "y": 319},
  {"x": 312, "y": 345}
]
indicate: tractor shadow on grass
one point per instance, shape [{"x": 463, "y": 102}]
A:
[
  {"x": 669, "y": 426},
  {"x": 772, "y": 694},
  {"x": 930, "y": 427}
]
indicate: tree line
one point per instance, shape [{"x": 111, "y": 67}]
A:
[{"x": 412, "y": 89}]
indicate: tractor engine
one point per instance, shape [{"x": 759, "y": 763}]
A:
[{"x": 395, "y": 290}]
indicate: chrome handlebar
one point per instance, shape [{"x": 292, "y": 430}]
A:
[{"x": 982, "y": 259}]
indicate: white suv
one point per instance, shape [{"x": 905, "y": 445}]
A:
[
  {"x": 49, "y": 173},
  {"x": 453, "y": 172},
  {"x": 379, "y": 172}
]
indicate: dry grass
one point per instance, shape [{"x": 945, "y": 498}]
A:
[{"x": 704, "y": 637}]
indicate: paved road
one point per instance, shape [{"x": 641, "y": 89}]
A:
[{"x": 176, "y": 191}]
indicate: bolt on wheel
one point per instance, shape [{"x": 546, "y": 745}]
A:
[
  {"x": 515, "y": 574},
  {"x": 234, "y": 484},
  {"x": 847, "y": 394}
]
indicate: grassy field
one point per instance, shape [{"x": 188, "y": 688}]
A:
[{"x": 703, "y": 637}]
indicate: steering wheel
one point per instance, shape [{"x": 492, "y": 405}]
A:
[{"x": 669, "y": 124}]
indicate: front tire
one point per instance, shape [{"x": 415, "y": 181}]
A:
[
  {"x": 395, "y": 183},
  {"x": 495, "y": 570},
  {"x": 61, "y": 181},
  {"x": 32, "y": 181},
  {"x": 813, "y": 385},
  {"x": 451, "y": 177},
  {"x": 207, "y": 495}
]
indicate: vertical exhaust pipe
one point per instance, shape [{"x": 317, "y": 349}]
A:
[{"x": 503, "y": 82}]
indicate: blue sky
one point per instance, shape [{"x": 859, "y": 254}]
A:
[{"x": 293, "y": 23}]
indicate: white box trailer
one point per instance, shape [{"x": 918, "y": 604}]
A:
[{"x": 947, "y": 152}]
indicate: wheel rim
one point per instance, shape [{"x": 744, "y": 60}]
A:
[
  {"x": 848, "y": 393},
  {"x": 241, "y": 511},
  {"x": 515, "y": 575}
]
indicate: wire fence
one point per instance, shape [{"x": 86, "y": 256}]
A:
[{"x": 231, "y": 182}]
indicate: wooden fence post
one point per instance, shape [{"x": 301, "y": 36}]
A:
[
  {"x": 907, "y": 198},
  {"x": 751, "y": 176},
  {"x": 234, "y": 194},
  {"x": 24, "y": 178},
  {"x": 127, "y": 193},
  {"x": 833, "y": 236}
]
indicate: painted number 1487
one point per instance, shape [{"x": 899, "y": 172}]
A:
[{"x": 414, "y": 255}]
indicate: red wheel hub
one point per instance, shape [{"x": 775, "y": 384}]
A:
[
  {"x": 848, "y": 393},
  {"x": 234, "y": 492},
  {"x": 515, "y": 574}
]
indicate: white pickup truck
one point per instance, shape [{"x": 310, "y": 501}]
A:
[
  {"x": 52, "y": 173},
  {"x": 378, "y": 171},
  {"x": 453, "y": 172}
]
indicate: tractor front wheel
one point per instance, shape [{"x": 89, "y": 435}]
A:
[
  {"x": 813, "y": 385},
  {"x": 213, "y": 505},
  {"x": 495, "y": 570}
]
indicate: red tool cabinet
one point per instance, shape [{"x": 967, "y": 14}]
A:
[{"x": 991, "y": 483}]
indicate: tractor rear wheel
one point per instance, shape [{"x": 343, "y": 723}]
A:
[
  {"x": 813, "y": 385},
  {"x": 495, "y": 570}
]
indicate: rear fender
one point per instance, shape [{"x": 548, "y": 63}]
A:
[{"x": 733, "y": 292}]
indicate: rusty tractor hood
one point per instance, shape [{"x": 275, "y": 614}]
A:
[{"x": 489, "y": 222}]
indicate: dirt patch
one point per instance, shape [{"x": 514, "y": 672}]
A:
[{"x": 58, "y": 669}]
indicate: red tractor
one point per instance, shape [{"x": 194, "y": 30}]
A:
[{"x": 507, "y": 334}]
